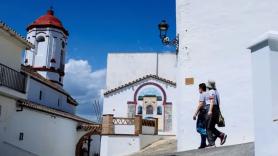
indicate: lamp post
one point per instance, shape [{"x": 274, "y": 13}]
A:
[{"x": 163, "y": 28}]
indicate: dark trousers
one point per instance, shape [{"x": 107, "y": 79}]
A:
[
  {"x": 201, "y": 127},
  {"x": 212, "y": 120},
  {"x": 203, "y": 141}
]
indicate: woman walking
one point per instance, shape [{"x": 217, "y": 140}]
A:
[
  {"x": 201, "y": 112},
  {"x": 213, "y": 116}
]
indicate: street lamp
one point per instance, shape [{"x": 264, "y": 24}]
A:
[{"x": 163, "y": 28}]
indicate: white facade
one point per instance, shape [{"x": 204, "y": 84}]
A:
[
  {"x": 43, "y": 134},
  {"x": 120, "y": 145},
  {"x": 121, "y": 102},
  {"x": 125, "y": 67},
  {"x": 264, "y": 73},
  {"x": 10, "y": 51},
  {"x": 139, "y": 84},
  {"x": 213, "y": 40},
  {"x": 45, "y": 95}
]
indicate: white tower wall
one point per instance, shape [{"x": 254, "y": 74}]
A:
[{"x": 48, "y": 54}]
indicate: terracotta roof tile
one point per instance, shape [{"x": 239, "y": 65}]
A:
[
  {"x": 48, "y": 20},
  {"x": 45, "y": 109},
  {"x": 150, "y": 76},
  {"x": 29, "y": 71}
]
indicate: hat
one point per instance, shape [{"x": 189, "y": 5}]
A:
[{"x": 211, "y": 84}]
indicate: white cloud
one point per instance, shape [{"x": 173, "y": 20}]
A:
[{"x": 84, "y": 84}]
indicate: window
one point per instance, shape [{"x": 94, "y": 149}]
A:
[
  {"x": 63, "y": 44},
  {"x": 58, "y": 102},
  {"x": 159, "y": 110},
  {"x": 21, "y": 135},
  {"x": 40, "y": 96},
  {"x": 139, "y": 111},
  {"x": 149, "y": 109},
  {"x": 40, "y": 39},
  {"x": 62, "y": 66}
]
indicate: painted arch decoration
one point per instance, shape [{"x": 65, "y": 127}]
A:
[{"x": 150, "y": 101}]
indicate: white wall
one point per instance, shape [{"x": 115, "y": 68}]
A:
[
  {"x": 95, "y": 144},
  {"x": 125, "y": 67},
  {"x": 124, "y": 129},
  {"x": 49, "y": 96},
  {"x": 146, "y": 140},
  {"x": 118, "y": 145},
  {"x": 213, "y": 40},
  {"x": 10, "y": 51},
  {"x": 148, "y": 130},
  {"x": 264, "y": 67},
  {"x": 44, "y": 134}
]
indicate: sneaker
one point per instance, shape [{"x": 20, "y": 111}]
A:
[
  {"x": 210, "y": 146},
  {"x": 202, "y": 147},
  {"x": 223, "y": 138}
]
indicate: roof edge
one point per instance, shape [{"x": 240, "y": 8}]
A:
[
  {"x": 47, "y": 26},
  {"x": 138, "y": 80},
  {"x": 17, "y": 36},
  {"x": 48, "y": 110}
]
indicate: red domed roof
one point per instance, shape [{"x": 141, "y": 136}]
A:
[{"x": 48, "y": 20}]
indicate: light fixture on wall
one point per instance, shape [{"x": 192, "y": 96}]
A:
[{"x": 163, "y": 28}]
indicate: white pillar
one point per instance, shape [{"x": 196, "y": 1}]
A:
[{"x": 265, "y": 94}]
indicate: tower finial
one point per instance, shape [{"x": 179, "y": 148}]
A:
[{"x": 50, "y": 10}]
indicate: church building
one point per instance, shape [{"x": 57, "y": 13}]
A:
[
  {"x": 37, "y": 116},
  {"x": 142, "y": 84}
]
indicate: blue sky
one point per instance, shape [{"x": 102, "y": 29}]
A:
[{"x": 96, "y": 28}]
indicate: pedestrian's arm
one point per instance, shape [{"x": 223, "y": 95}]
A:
[
  {"x": 200, "y": 105},
  {"x": 211, "y": 106}
]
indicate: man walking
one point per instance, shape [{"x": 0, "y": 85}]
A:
[{"x": 201, "y": 112}]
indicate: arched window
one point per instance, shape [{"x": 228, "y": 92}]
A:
[
  {"x": 149, "y": 109},
  {"x": 139, "y": 111},
  {"x": 159, "y": 110},
  {"x": 40, "y": 39},
  {"x": 63, "y": 44}
]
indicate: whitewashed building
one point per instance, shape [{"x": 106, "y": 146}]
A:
[
  {"x": 142, "y": 84},
  {"x": 37, "y": 116},
  {"x": 214, "y": 37},
  {"x": 140, "y": 90},
  {"x": 213, "y": 41},
  {"x": 264, "y": 51}
]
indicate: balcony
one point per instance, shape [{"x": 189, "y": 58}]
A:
[{"x": 12, "y": 79}]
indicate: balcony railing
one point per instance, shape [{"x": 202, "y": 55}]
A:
[
  {"x": 12, "y": 79},
  {"x": 128, "y": 126}
]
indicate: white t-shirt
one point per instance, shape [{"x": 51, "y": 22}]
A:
[
  {"x": 205, "y": 98},
  {"x": 213, "y": 94}
]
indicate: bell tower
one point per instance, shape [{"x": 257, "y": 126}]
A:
[{"x": 50, "y": 39}]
